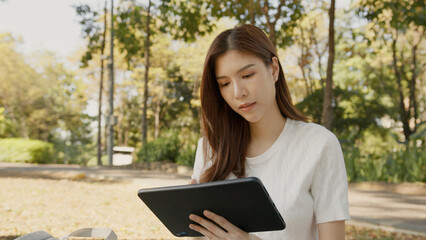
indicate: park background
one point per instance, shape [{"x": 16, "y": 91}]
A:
[
  {"x": 54, "y": 107},
  {"x": 54, "y": 78}
]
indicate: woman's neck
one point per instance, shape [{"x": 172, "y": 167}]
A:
[{"x": 265, "y": 132}]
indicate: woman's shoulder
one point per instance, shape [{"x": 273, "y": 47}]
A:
[{"x": 310, "y": 132}]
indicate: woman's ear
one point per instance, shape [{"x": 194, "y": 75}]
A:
[{"x": 275, "y": 68}]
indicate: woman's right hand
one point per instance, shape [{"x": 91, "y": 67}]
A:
[
  {"x": 193, "y": 181},
  {"x": 215, "y": 227}
]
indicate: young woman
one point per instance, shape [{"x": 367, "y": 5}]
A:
[{"x": 251, "y": 128}]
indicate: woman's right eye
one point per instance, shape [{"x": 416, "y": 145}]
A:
[
  {"x": 248, "y": 75},
  {"x": 224, "y": 84}
]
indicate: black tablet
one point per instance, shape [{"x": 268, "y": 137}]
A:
[{"x": 244, "y": 202}]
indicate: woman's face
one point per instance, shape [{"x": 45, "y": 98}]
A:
[{"x": 247, "y": 84}]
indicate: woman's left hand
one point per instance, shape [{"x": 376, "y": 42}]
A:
[{"x": 213, "y": 232}]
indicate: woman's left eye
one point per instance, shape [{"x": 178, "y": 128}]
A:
[{"x": 248, "y": 75}]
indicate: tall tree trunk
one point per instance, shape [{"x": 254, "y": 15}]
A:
[
  {"x": 303, "y": 62},
  {"x": 271, "y": 25},
  {"x": 157, "y": 118},
  {"x": 106, "y": 130},
  {"x": 13, "y": 117},
  {"x": 413, "y": 99},
  {"x": 111, "y": 119},
  {"x": 402, "y": 111},
  {"x": 145, "y": 96},
  {"x": 101, "y": 86},
  {"x": 327, "y": 110},
  {"x": 126, "y": 135},
  {"x": 120, "y": 125},
  {"x": 157, "y": 111},
  {"x": 24, "y": 129},
  {"x": 308, "y": 92},
  {"x": 318, "y": 52},
  {"x": 251, "y": 12},
  {"x": 409, "y": 112}
]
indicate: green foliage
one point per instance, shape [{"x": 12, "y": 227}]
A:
[
  {"x": 129, "y": 26},
  {"x": 25, "y": 151},
  {"x": 92, "y": 30},
  {"x": 183, "y": 22},
  {"x": 77, "y": 146},
  {"x": 402, "y": 13},
  {"x": 169, "y": 147},
  {"x": 185, "y": 19},
  {"x": 163, "y": 148},
  {"x": 42, "y": 99},
  {"x": 187, "y": 155},
  {"x": 281, "y": 16},
  {"x": 395, "y": 35},
  {"x": 7, "y": 128},
  {"x": 381, "y": 159},
  {"x": 352, "y": 109},
  {"x": 93, "y": 161}
]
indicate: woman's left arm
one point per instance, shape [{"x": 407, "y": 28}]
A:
[{"x": 332, "y": 230}]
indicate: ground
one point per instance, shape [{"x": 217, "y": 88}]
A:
[{"x": 60, "y": 206}]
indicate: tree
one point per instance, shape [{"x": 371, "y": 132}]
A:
[
  {"x": 400, "y": 24},
  {"x": 311, "y": 40},
  {"x": 145, "y": 93},
  {"x": 276, "y": 18},
  {"x": 327, "y": 111},
  {"x": 42, "y": 99},
  {"x": 96, "y": 36},
  {"x": 360, "y": 92},
  {"x": 187, "y": 18},
  {"x": 16, "y": 76},
  {"x": 101, "y": 83}
]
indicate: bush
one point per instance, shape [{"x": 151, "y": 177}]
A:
[
  {"x": 407, "y": 163},
  {"x": 187, "y": 155},
  {"x": 93, "y": 161},
  {"x": 25, "y": 151},
  {"x": 74, "y": 152},
  {"x": 170, "y": 147},
  {"x": 162, "y": 148}
]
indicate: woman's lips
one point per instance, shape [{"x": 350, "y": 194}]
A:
[{"x": 247, "y": 106}]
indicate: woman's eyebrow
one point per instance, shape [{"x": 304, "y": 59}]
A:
[{"x": 240, "y": 70}]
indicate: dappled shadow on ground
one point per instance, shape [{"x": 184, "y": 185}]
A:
[
  {"x": 104, "y": 174},
  {"x": 356, "y": 233},
  {"x": 10, "y": 237},
  {"x": 389, "y": 209},
  {"x": 397, "y": 197},
  {"x": 410, "y": 225},
  {"x": 78, "y": 173},
  {"x": 56, "y": 176}
]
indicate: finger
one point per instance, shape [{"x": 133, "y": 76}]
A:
[
  {"x": 210, "y": 226},
  {"x": 221, "y": 221},
  {"x": 203, "y": 231},
  {"x": 193, "y": 181}
]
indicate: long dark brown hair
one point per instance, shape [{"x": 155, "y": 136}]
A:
[{"x": 226, "y": 133}]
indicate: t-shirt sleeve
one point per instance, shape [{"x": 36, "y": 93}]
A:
[
  {"x": 199, "y": 162},
  {"x": 330, "y": 185}
]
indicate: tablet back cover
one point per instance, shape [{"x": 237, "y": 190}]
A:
[{"x": 244, "y": 202}]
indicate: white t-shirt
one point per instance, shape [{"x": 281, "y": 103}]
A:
[{"x": 304, "y": 173}]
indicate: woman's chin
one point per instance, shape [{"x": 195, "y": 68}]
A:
[{"x": 251, "y": 119}]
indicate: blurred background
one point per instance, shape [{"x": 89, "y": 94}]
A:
[{"x": 69, "y": 93}]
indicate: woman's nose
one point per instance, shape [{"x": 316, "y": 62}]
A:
[{"x": 240, "y": 91}]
